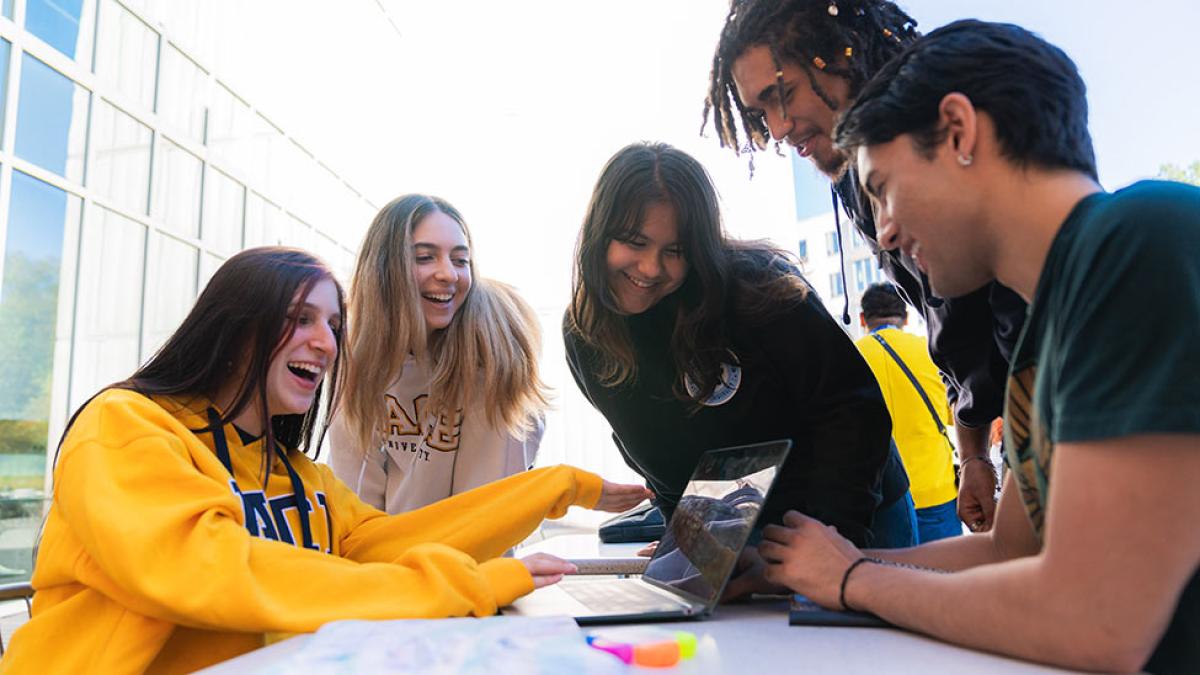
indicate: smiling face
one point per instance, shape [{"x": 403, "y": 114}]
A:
[
  {"x": 441, "y": 267},
  {"x": 646, "y": 265},
  {"x": 795, "y": 115},
  {"x": 929, "y": 208},
  {"x": 299, "y": 364}
]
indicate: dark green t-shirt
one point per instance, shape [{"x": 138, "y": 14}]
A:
[{"x": 1111, "y": 348}]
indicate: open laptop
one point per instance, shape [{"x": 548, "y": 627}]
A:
[{"x": 694, "y": 559}]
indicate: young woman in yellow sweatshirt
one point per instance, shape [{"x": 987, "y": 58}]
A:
[{"x": 187, "y": 522}]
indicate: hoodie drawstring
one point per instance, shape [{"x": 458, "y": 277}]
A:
[{"x": 837, "y": 227}]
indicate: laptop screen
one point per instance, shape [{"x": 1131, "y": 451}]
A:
[{"x": 713, "y": 519}]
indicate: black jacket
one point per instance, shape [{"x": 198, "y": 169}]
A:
[
  {"x": 800, "y": 378},
  {"x": 971, "y": 338}
]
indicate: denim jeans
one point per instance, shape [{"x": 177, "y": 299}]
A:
[
  {"x": 895, "y": 525},
  {"x": 938, "y": 522}
]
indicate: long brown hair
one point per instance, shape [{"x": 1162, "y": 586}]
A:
[
  {"x": 756, "y": 279},
  {"x": 237, "y": 325},
  {"x": 490, "y": 349}
]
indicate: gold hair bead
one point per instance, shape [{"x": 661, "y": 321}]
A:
[
  {"x": 887, "y": 33},
  {"x": 833, "y": 9},
  {"x": 819, "y": 62},
  {"x": 779, "y": 74},
  {"x": 849, "y": 52}
]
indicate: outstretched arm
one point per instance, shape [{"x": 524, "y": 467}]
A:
[{"x": 1099, "y": 595}]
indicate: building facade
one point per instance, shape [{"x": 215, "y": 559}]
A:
[
  {"x": 129, "y": 171},
  {"x": 840, "y": 268}
]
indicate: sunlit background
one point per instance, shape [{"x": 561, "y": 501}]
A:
[{"x": 142, "y": 142}]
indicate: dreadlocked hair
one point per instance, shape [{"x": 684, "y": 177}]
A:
[{"x": 851, "y": 39}]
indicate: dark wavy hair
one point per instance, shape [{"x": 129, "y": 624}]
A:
[
  {"x": 754, "y": 279},
  {"x": 881, "y": 301},
  {"x": 237, "y": 325},
  {"x": 1028, "y": 87}
]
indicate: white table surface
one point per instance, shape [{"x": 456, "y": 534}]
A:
[{"x": 748, "y": 635}]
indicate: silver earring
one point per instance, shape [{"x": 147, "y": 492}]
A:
[{"x": 965, "y": 160}]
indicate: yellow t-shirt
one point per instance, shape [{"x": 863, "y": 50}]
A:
[{"x": 926, "y": 454}]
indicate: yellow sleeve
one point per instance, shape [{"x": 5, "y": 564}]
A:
[
  {"x": 161, "y": 538},
  {"x": 483, "y": 522}
]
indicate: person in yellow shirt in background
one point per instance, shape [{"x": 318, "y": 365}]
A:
[
  {"x": 901, "y": 363},
  {"x": 188, "y": 523}
]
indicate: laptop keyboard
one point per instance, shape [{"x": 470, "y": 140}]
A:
[{"x": 620, "y": 597}]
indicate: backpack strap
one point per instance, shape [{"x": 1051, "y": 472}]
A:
[{"x": 916, "y": 385}]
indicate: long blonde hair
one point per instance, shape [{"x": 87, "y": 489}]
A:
[{"x": 491, "y": 346}]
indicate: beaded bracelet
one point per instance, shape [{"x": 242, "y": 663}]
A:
[{"x": 846, "y": 577}]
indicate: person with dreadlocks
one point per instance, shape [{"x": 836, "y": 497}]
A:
[
  {"x": 973, "y": 146},
  {"x": 786, "y": 70}
]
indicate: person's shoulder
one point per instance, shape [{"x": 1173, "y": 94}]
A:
[
  {"x": 118, "y": 416},
  {"x": 1151, "y": 209}
]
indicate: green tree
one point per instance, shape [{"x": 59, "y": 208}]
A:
[
  {"x": 1188, "y": 174},
  {"x": 28, "y": 313}
]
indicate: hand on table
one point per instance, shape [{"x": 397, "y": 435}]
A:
[
  {"x": 618, "y": 497},
  {"x": 648, "y": 550},
  {"x": 547, "y": 569},
  {"x": 808, "y": 557},
  {"x": 977, "y": 495}
]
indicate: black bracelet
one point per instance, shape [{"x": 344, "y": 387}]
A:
[{"x": 846, "y": 577}]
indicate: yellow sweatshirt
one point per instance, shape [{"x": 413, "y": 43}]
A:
[{"x": 147, "y": 561}]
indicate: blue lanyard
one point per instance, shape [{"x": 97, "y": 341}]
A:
[{"x": 222, "y": 447}]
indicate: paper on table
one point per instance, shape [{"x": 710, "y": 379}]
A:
[{"x": 485, "y": 646}]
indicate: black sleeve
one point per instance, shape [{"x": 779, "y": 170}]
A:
[
  {"x": 840, "y": 414},
  {"x": 573, "y": 349},
  {"x": 971, "y": 339}
]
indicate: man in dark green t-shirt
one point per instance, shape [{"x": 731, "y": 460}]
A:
[{"x": 973, "y": 145}]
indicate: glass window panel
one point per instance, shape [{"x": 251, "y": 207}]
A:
[
  {"x": 191, "y": 22},
  {"x": 297, "y": 233},
  {"x": 121, "y": 157},
  {"x": 181, "y": 93},
  {"x": 37, "y": 219},
  {"x": 109, "y": 302},
  {"x": 208, "y": 267},
  {"x": 51, "y": 120},
  {"x": 177, "y": 189},
  {"x": 262, "y": 135},
  {"x": 57, "y": 23},
  {"x": 170, "y": 289},
  {"x": 262, "y": 222},
  {"x": 127, "y": 53},
  {"x": 5, "y": 54},
  {"x": 6, "y": 8},
  {"x": 223, "y": 212},
  {"x": 228, "y": 126}
]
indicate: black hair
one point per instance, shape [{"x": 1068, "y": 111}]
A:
[
  {"x": 881, "y": 301},
  {"x": 1029, "y": 88},
  {"x": 811, "y": 34},
  {"x": 755, "y": 279}
]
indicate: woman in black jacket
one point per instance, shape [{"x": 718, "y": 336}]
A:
[{"x": 686, "y": 341}]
